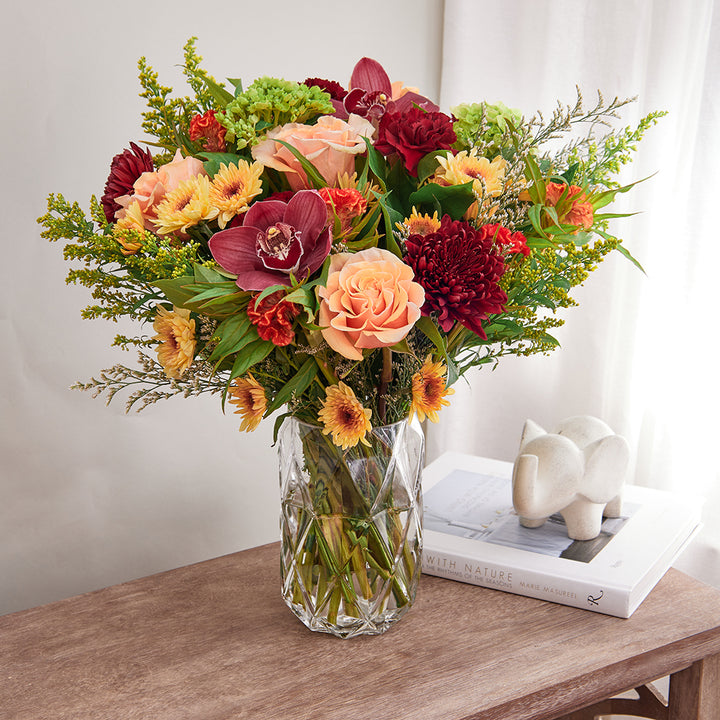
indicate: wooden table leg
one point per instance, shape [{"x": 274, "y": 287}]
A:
[{"x": 695, "y": 691}]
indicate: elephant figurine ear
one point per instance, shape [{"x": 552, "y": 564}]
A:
[
  {"x": 531, "y": 430},
  {"x": 606, "y": 463}
]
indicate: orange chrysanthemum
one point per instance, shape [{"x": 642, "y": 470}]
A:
[
  {"x": 249, "y": 397},
  {"x": 429, "y": 390},
  {"x": 344, "y": 417},
  {"x": 132, "y": 220},
  {"x": 186, "y": 206},
  {"x": 418, "y": 224},
  {"x": 176, "y": 331},
  {"x": 233, "y": 187}
]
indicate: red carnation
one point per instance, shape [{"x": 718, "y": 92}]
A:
[
  {"x": 207, "y": 129},
  {"x": 345, "y": 203},
  {"x": 125, "y": 169},
  {"x": 508, "y": 242},
  {"x": 413, "y": 134},
  {"x": 274, "y": 318},
  {"x": 460, "y": 269}
]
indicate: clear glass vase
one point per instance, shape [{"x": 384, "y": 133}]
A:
[{"x": 351, "y": 527}]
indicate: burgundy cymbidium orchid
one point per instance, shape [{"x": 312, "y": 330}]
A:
[
  {"x": 371, "y": 94},
  {"x": 276, "y": 239}
]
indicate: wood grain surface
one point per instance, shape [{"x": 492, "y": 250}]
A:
[{"x": 215, "y": 641}]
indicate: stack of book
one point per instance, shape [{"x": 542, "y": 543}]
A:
[{"x": 472, "y": 534}]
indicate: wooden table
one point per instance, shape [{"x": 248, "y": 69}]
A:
[{"x": 214, "y": 641}]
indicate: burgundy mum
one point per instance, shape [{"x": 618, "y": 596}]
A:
[
  {"x": 460, "y": 269},
  {"x": 125, "y": 169},
  {"x": 276, "y": 239}
]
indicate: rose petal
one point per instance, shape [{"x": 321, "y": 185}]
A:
[{"x": 337, "y": 340}]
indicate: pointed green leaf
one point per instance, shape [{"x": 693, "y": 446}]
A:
[
  {"x": 295, "y": 386},
  {"x": 313, "y": 174},
  {"x": 175, "y": 289}
]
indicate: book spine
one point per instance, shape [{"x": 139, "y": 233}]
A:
[{"x": 542, "y": 586}]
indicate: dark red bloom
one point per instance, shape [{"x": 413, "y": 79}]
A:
[
  {"x": 276, "y": 239},
  {"x": 460, "y": 269},
  {"x": 207, "y": 129},
  {"x": 334, "y": 89},
  {"x": 370, "y": 94},
  {"x": 413, "y": 134},
  {"x": 125, "y": 169},
  {"x": 274, "y": 318},
  {"x": 508, "y": 242}
]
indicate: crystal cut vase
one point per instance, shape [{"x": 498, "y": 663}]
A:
[{"x": 351, "y": 527}]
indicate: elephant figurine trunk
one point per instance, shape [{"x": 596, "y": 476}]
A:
[{"x": 577, "y": 471}]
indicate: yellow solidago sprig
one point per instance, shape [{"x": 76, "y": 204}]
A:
[
  {"x": 176, "y": 332},
  {"x": 344, "y": 417},
  {"x": 429, "y": 390},
  {"x": 233, "y": 187},
  {"x": 248, "y": 395}
]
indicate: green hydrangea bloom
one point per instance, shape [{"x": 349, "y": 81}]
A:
[
  {"x": 267, "y": 103},
  {"x": 483, "y": 124}
]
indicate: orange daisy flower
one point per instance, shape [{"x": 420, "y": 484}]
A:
[
  {"x": 429, "y": 390},
  {"x": 249, "y": 397},
  {"x": 344, "y": 417},
  {"x": 176, "y": 332}
]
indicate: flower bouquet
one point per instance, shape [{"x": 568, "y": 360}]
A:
[{"x": 339, "y": 257}]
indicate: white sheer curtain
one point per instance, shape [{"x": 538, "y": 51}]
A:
[{"x": 641, "y": 350}]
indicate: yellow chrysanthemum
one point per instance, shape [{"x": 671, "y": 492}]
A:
[
  {"x": 132, "y": 219},
  {"x": 187, "y": 205},
  {"x": 176, "y": 332},
  {"x": 487, "y": 177},
  {"x": 429, "y": 390},
  {"x": 344, "y": 417},
  {"x": 418, "y": 224},
  {"x": 249, "y": 397},
  {"x": 233, "y": 187}
]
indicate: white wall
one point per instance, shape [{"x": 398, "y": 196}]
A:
[{"x": 90, "y": 496}]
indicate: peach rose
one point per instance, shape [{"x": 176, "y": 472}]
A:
[
  {"x": 330, "y": 145},
  {"x": 150, "y": 188},
  {"x": 370, "y": 301}
]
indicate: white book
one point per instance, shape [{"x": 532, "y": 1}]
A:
[{"x": 472, "y": 534}]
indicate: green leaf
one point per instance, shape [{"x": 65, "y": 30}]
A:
[
  {"x": 377, "y": 164},
  {"x": 219, "y": 93},
  {"x": 390, "y": 216},
  {"x": 428, "y": 328},
  {"x": 253, "y": 353},
  {"x": 279, "y": 420},
  {"x": 452, "y": 200},
  {"x": 213, "y": 160},
  {"x": 313, "y": 174},
  {"x": 295, "y": 386},
  {"x": 175, "y": 289},
  {"x": 429, "y": 164},
  {"x": 237, "y": 84},
  {"x": 233, "y": 333},
  {"x": 626, "y": 253}
]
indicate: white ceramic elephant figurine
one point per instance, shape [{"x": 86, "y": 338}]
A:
[{"x": 578, "y": 471}]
